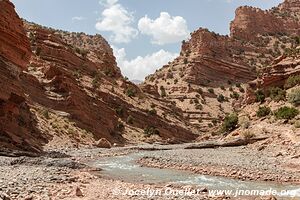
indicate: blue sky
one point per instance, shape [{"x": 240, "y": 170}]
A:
[{"x": 145, "y": 34}]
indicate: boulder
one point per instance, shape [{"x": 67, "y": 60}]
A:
[{"x": 103, "y": 143}]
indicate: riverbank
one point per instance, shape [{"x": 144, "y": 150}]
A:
[
  {"x": 64, "y": 174},
  {"x": 242, "y": 163}
]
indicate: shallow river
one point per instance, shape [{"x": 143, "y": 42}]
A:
[{"x": 125, "y": 168}]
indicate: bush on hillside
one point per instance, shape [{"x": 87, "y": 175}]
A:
[
  {"x": 277, "y": 94},
  {"x": 230, "y": 122},
  {"x": 292, "y": 81},
  {"x": 263, "y": 111},
  {"x": 260, "y": 96},
  {"x": 286, "y": 113},
  {"x": 294, "y": 97}
]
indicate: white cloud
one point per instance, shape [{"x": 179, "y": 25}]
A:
[
  {"x": 78, "y": 18},
  {"x": 165, "y": 29},
  {"x": 116, "y": 19},
  {"x": 140, "y": 67}
]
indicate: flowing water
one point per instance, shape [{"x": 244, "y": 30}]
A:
[{"x": 125, "y": 168}]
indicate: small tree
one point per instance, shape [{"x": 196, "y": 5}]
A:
[
  {"x": 221, "y": 98},
  {"x": 286, "y": 113},
  {"x": 230, "y": 122},
  {"x": 260, "y": 96},
  {"x": 277, "y": 94},
  {"x": 263, "y": 111}
]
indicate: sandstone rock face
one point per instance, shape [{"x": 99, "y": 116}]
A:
[
  {"x": 62, "y": 89},
  {"x": 17, "y": 124},
  {"x": 209, "y": 77},
  {"x": 14, "y": 43},
  {"x": 250, "y": 22}
]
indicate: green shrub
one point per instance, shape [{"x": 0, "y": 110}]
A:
[
  {"x": 96, "y": 80},
  {"x": 150, "y": 130},
  {"x": 163, "y": 91},
  {"x": 45, "y": 113},
  {"x": 238, "y": 85},
  {"x": 263, "y": 111},
  {"x": 235, "y": 95},
  {"x": 129, "y": 119},
  {"x": 185, "y": 61},
  {"x": 221, "y": 98},
  {"x": 130, "y": 92},
  {"x": 230, "y": 122},
  {"x": 223, "y": 88},
  {"x": 277, "y": 94},
  {"x": 210, "y": 90},
  {"x": 242, "y": 90},
  {"x": 119, "y": 111},
  {"x": 292, "y": 81},
  {"x": 286, "y": 113},
  {"x": 152, "y": 112},
  {"x": 294, "y": 97},
  {"x": 260, "y": 96}
]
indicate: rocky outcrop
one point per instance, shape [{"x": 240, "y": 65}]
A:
[
  {"x": 15, "y": 46},
  {"x": 275, "y": 75},
  {"x": 60, "y": 89},
  {"x": 250, "y": 22},
  {"x": 17, "y": 123},
  {"x": 209, "y": 61},
  {"x": 82, "y": 80}
]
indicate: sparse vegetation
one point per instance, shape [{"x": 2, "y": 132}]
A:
[
  {"x": 247, "y": 135},
  {"x": 221, "y": 98},
  {"x": 277, "y": 94},
  {"x": 152, "y": 112},
  {"x": 210, "y": 90},
  {"x": 230, "y": 123},
  {"x": 77, "y": 74},
  {"x": 292, "y": 81},
  {"x": 130, "y": 119},
  {"x": 120, "y": 126},
  {"x": 130, "y": 92},
  {"x": 108, "y": 72},
  {"x": 162, "y": 91},
  {"x": 263, "y": 111},
  {"x": 242, "y": 90},
  {"x": 96, "y": 80},
  {"x": 185, "y": 61},
  {"x": 294, "y": 96},
  {"x": 120, "y": 111},
  {"x": 82, "y": 52},
  {"x": 150, "y": 130},
  {"x": 235, "y": 95},
  {"x": 45, "y": 114},
  {"x": 286, "y": 113},
  {"x": 260, "y": 96}
]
